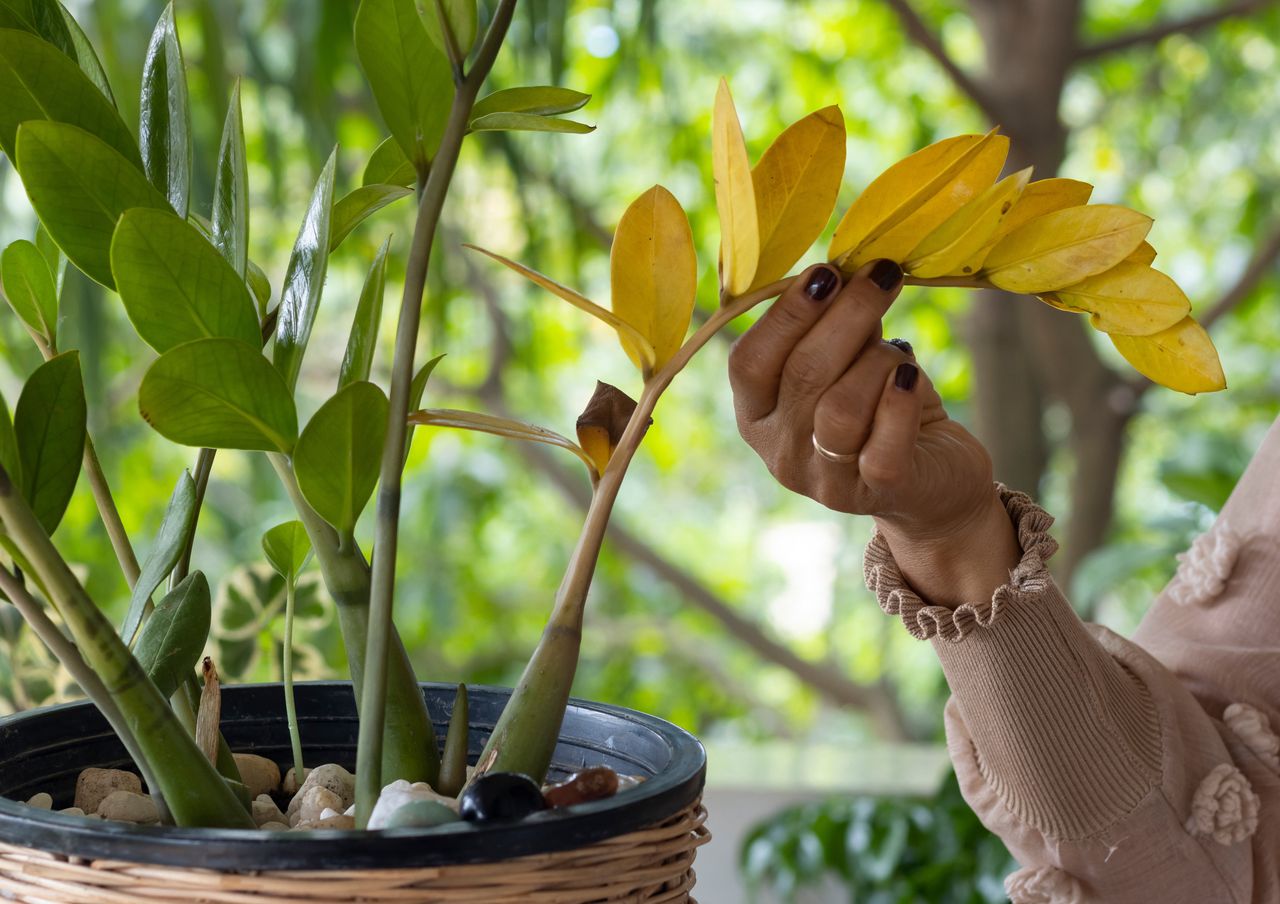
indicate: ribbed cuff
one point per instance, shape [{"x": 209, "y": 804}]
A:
[{"x": 923, "y": 620}]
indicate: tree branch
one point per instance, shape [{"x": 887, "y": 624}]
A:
[
  {"x": 921, "y": 34},
  {"x": 1162, "y": 30}
]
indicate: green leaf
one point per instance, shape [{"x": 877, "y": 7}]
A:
[
  {"x": 304, "y": 279},
  {"x": 172, "y": 538},
  {"x": 30, "y": 288},
  {"x": 338, "y": 454},
  {"x": 50, "y": 426},
  {"x": 38, "y": 82},
  {"x": 164, "y": 131},
  {"x": 416, "y": 390},
  {"x": 358, "y": 360},
  {"x": 53, "y": 256},
  {"x": 86, "y": 56},
  {"x": 10, "y": 457},
  {"x": 527, "y": 122},
  {"x": 231, "y": 190},
  {"x": 47, "y": 22},
  {"x": 538, "y": 100},
  {"x": 79, "y": 187},
  {"x": 288, "y": 549},
  {"x": 260, "y": 286},
  {"x": 175, "y": 635},
  {"x": 175, "y": 286},
  {"x": 359, "y": 205},
  {"x": 389, "y": 166},
  {"x": 220, "y": 394},
  {"x": 410, "y": 78},
  {"x": 462, "y": 22}
]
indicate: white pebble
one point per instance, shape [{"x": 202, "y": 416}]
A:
[
  {"x": 41, "y": 801},
  {"x": 400, "y": 793},
  {"x": 125, "y": 806}
]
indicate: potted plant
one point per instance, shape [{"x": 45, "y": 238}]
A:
[{"x": 229, "y": 352}]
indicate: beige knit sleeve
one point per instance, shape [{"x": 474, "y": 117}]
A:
[{"x": 1080, "y": 750}]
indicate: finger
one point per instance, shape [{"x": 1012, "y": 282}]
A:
[
  {"x": 755, "y": 362},
  {"x": 887, "y": 459},
  {"x": 843, "y": 415},
  {"x": 831, "y": 345}
]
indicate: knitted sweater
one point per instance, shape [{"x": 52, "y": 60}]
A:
[{"x": 1123, "y": 771}]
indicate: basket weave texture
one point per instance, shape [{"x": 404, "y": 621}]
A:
[{"x": 651, "y": 866}]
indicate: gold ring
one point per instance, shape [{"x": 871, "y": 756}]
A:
[{"x": 837, "y": 457}]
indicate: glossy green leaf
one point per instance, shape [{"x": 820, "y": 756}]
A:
[
  {"x": 173, "y": 640},
  {"x": 461, "y": 15},
  {"x": 303, "y": 281},
  {"x": 260, "y": 286},
  {"x": 10, "y": 457},
  {"x": 527, "y": 122},
  {"x": 538, "y": 100},
  {"x": 172, "y": 538},
  {"x": 389, "y": 166},
  {"x": 86, "y": 56},
  {"x": 338, "y": 454},
  {"x": 416, "y": 390},
  {"x": 175, "y": 286},
  {"x": 410, "y": 77},
  {"x": 39, "y": 82},
  {"x": 53, "y": 256},
  {"x": 164, "y": 131},
  {"x": 363, "y": 340},
  {"x": 220, "y": 394},
  {"x": 230, "y": 225},
  {"x": 47, "y": 22},
  {"x": 79, "y": 187},
  {"x": 30, "y": 288},
  {"x": 354, "y": 208},
  {"x": 50, "y": 426},
  {"x": 288, "y": 548}
]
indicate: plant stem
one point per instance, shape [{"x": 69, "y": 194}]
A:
[
  {"x": 957, "y": 282},
  {"x": 369, "y": 778},
  {"x": 193, "y": 790},
  {"x": 409, "y": 748},
  {"x": 204, "y": 467},
  {"x": 290, "y": 708},
  {"x": 526, "y": 734},
  {"x": 110, "y": 514}
]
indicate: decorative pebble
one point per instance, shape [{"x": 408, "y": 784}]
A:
[
  {"x": 126, "y": 806},
  {"x": 290, "y": 784},
  {"x": 265, "y": 811},
  {"x": 421, "y": 814},
  {"x": 339, "y": 823},
  {"x": 260, "y": 775},
  {"x": 331, "y": 777},
  {"x": 595, "y": 783},
  {"x": 72, "y": 811},
  {"x": 94, "y": 785},
  {"x": 274, "y": 826},
  {"x": 500, "y": 796},
  {"x": 41, "y": 801},
  {"x": 311, "y": 802},
  {"x": 400, "y": 794}
]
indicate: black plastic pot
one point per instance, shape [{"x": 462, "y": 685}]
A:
[{"x": 45, "y": 750}]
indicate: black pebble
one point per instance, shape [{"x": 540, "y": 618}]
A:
[{"x": 500, "y": 796}]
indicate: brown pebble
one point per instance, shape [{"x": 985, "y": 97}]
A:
[
  {"x": 41, "y": 801},
  {"x": 125, "y": 806},
  {"x": 265, "y": 810},
  {"x": 260, "y": 775},
  {"x": 274, "y": 827},
  {"x": 595, "y": 783},
  {"x": 311, "y": 802},
  {"x": 95, "y": 785}
]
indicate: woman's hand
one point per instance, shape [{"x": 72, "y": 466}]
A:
[{"x": 850, "y": 420}]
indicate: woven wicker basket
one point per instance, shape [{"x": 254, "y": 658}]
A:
[{"x": 638, "y": 847}]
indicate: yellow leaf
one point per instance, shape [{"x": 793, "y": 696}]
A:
[
  {"x": 1064, "y": 247},
  {"x": 1145, "y": 254},
  {"x": 1131, "y": 299},
  {"x": 1041, "y": 197},
  {"x": 1181, "y": 357},
  {"x": 915, "y": 196},
  {"x": 654, "y": 274},
  {"x": 796, "y": 183},
  {"x": 735, "y": 198},
  {"x": 643, "y": 346},
  {"x": 960, "y": 243},
  {"x": 1053, "y": 301}
]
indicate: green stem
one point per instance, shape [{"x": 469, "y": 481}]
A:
[
  {"x": 409, "y": 749},
  {"x": 290, "y": 708},
  {"x": 110, "y": 514},
  {"x": 369, "y": 758},
  {"x": 194, "y": 792},
  {"x": 956, "y": 282},
  {"x": 525, "y": 737}
]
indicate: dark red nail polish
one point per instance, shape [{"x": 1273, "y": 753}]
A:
[
  {"x": 822, "y": 282},
  {"x": 886, "y": 274},
  {"x": 905, "y": 377},
  {"x": 903, "y": 346}
]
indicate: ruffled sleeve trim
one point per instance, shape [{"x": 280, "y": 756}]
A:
[{"x": 925, "y": 621}]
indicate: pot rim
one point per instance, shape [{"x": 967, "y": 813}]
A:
[{"x": 662, "y": 795}]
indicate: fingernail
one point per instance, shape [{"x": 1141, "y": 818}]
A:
[
  {"x": 885, "y": 274},
  {"x": 905, "y": 377},
  {"x": 822, "y": 282},
  {"x": 903, "y": 346}
]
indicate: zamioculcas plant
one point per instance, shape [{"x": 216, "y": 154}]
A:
[{"x": 229, "y": 353}]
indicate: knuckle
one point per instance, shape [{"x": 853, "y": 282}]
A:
[
  {"x": 806, "y": 370},
  {"x": 882, "y": 472},
  {"x": 744, "y": 357},
  {"x": 840, "y": 417}
]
